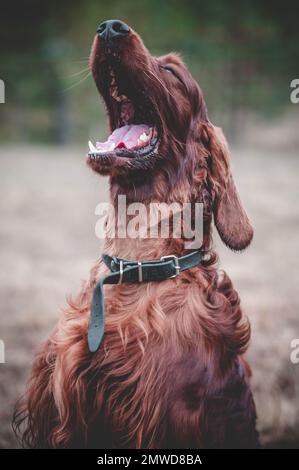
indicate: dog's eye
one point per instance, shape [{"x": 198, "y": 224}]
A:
[
  {"x": 172, "y": 71},
  {"x": 168, "y": 69}
]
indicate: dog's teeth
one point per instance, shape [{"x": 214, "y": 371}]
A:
[
  {"x": 144, "y": 137},
  {"x": 92, "y": 148}
]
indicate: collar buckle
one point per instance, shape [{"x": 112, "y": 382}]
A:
[
  {"x": 176, "y": 262},
  {"x": 121, "y": 271},
  {"x": 140, "y": 278}
]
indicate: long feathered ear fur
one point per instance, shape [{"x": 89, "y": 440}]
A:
[{"x": 230, "y": 217}]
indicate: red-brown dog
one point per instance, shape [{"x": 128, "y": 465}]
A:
[{"x": 168, "y": 371}]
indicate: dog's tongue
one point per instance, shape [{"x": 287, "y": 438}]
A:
[{"x": 129, "y": 136}]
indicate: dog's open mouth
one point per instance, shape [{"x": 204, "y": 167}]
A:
[
  {"x": 126, "y": 141},
  {"x": 132, "y": 118}
]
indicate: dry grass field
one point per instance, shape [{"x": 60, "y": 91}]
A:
[{"x": 48, "y": 243}]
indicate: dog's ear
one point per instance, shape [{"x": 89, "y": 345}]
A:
[{"x": 230, "y": 217}]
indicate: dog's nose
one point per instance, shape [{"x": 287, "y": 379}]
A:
[{"x": 113, "y": 29}]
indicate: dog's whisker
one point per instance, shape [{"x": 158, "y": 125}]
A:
[
  {"x": 78, "y": 83},
  {"x": 80, "y": 72}
]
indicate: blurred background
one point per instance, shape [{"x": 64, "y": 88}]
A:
[{"x": 244, "y": 55}]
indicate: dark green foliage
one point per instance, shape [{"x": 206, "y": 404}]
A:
[{"x": 244, "y": 54}]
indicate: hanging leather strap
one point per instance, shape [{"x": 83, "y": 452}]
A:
[{"x": 125, "y": 271}]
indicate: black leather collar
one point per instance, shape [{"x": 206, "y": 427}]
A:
[{"x": 126, "y": 271}]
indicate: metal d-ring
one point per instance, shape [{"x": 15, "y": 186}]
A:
[
  {"x": 121, "y": 271},
  {"x": 140, "y": 279}
]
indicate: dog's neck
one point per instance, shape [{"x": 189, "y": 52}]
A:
[
  {"x": 136, "y": 230},
  {"x": 140, "y": 231},
  {"x": 120, "y": 243}
]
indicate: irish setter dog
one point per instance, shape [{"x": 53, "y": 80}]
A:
[{"x": 169, "y": 372}]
